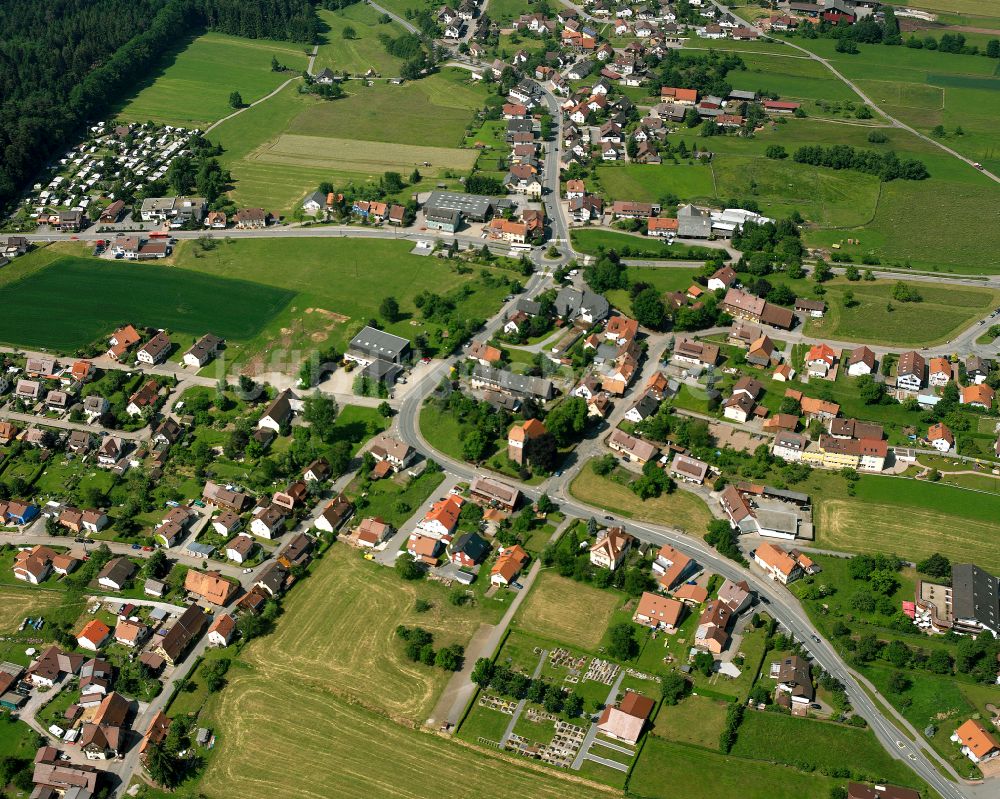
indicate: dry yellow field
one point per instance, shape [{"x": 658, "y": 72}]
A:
[
  {"x": 290, "y": 723},
  {"x": 915, "y": 533},
  {"x": 356, "y": 155},
  {"x": 16, "y": 603},
  {"x": 568, "y": 611},
  {"x": 338, "y": 634},
  {"x": 287, "y": 740}
]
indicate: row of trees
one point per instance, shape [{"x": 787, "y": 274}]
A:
[{"x": 887, "y": 166}]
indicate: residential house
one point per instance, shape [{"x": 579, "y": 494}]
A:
[
  {"x": 333, "y": 516},
  {"x": 672, "y": 567},
  {"x": 979, "y": 395},
  {"x": 978, "y": 744},
  {"x": 644, "y": 407},
  {"x": 202, "y": 351},
  {"x": 712, "y": 633},
  {"x": 371, "y": 532},
  {"x": 117, "y": 574},
  {"x": 699, "y": 353},
  {"x": 225, "y": 498},
  {"x": 468, "y": 550},
  {"x": 611, "y": 548},
  {"x": 976, "y": 369},
  {"x": 425, "y": 548},
  {"x": 940, "y": 437},
  {"x": 736, "y": 595},
  {"x": 794, "y": 688},
  {"x": 131, "y": 633},
  {"x": 94, "y": 635},
  {"x": 33, "y": 565},
  {"x": 761, "y": 352},
  {"x": 861, "y": 361},
  {"x": 442, "y": 518},
  {"x": 184, "y": 632},
  {"x": 391, "y": 450},
  {"x": 910, "y": 371},
  {"x": 658, "y": 612},
  {"x": 632, "y": 449},
  {"x": 145, "y": 398},
  {"x": 688, "y": 469},
  {"x": 723, "y": 278},
  {"x": 939, "y": 372},
  {"x": 221, "y": 631},
  {"x": 280, "y": 411},
  {"x": 820, "y": 360},
  {"x": 509, "y": 564},
  {"x": 268, "y": 521},
  {"x": 779, "y": 565},
  {"x": 240, "y": 547},
  {"x": 155, "y": 350},
  {"x": 495, "y": 493}
]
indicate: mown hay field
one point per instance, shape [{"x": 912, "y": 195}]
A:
[
  {"x": 16, "y": 603},
  {"x": 318, "y": 152},
  {"x": 568, "y": 611},
  {"x": 326, "y": 704},
  {"x": 912, "y": 526}
]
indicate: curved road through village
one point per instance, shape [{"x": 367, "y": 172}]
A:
[{"x": 895, "y": 734}]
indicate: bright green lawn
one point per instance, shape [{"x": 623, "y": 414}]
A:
[
  {"x": 793, "y": 77},
  {"x": 588, "y": 240},
  {"x": 663, "y": 766},
  {"x": 943, "y": 312},
  {"x": 362, "y": 52},
  {"x": 337, "y": 278},
  {"x": 804, "y": 743},
  {"x": 387, "y": 498},
  {"x": 192, "y": 88},
  {"x": 432, "y": 112},
  {"x": 650, "y": 183},
  {"x": 46, "y": 307}
]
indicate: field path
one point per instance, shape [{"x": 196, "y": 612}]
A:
[
  {"x": 854, "y": 87},
  {"x": 460, "y": 688},
  {"x": 238, "y": 111},
  {"x": 407, "y": 25}
]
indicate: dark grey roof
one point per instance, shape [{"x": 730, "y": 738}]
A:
[
  {"x": 570, "y": 302},
  {"x": 508, "y": 381},
  {"x": 383, "y": 371},
  {"x": 379, "y": 344},
  {"x": 646, "y": 405},
  {"x": 529, "y": 307},
  {"x": 473, "y": 545},
  {"x": 975, "y": 594},
  {"x": 447, "y": 202}
]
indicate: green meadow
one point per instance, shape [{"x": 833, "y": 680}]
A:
[
  {"x": 73, "y": 301},
  {"x": 192, "y": 86}
]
